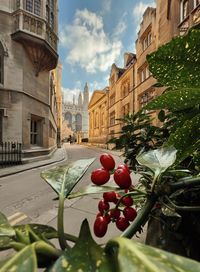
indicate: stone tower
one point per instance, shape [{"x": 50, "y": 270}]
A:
[{"x": 85, "y": 110}]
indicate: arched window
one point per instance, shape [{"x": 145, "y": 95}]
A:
[
  {"x": 33, "y": 6},
  {"x": 1, "y": 63},
  {"x": 78, "y": 122},
  {"x": 68, "y": 117}
]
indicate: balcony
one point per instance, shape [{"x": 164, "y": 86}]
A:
[
  {"x": 191, "y": 20},
  {"x": 38, "y": 39}
]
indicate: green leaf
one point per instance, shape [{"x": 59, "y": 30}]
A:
[
  {"x": 23, "y": 261},
  {"x": 176, "y": 100},
  {"x": 67, "y": 176},
  {"x": 128, "y": 255},
  {"x": 186, "y": 139},
  {"x": 5, "y": 227},
  {"x": 158, "y": 160},
  {"x": 175, "y": 64},
  {"x": 86, "y": 255},
  {"x": 93, "y": 189}
]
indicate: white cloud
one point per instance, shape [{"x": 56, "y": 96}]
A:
[
  {"x": 121, "y": 26},
  {"x": 106, "y": 6},
  {"x": 68, "y": 94},
  {"x": 139, "y": 10},
  {"x": 87, "y": 43}
]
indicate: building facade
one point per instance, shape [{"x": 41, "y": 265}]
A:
[
  {"x": 121, "y": 93},
  {"x": 76, "y": 115},
  {"x": 98, "y": 118},
  {"x": 28, "y": 51}
]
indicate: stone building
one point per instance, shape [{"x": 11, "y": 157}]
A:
[
  {"x": 28, "y": 51},
  {"x": 159, "y": 25},
  {"x": 76, "y": 114},
  {"x": 98, "y": 118},
  {"x": 121, "y": 93}
]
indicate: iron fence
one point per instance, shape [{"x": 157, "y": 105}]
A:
[{"x": 10, "y": 153}]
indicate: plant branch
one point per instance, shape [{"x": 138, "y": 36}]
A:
[
  {"x": 141, "y": 218},
  {"x": 183, "y": 208}
]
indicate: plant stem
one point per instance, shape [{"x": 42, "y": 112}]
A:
[
  {"x": 183, "y": 208},
  {"x": 141, "y": 218},
  {"x": 60, "y": 223},
  {"x": 130, "y": 194},
  {"x": 46, "y": 249},
  {"x": 182, "y": 183}
]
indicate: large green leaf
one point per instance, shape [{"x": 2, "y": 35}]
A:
[
  {"x": 128, "y": 255},
  {"x": 93, "y": 189},
  {"x": 176, "y": 100},
  {"x": 158, "y": 160},
  {"x": 23, "y": 261},
  {"x": 177, "y": 63},
  {"x": 186, "y": 139},
  {"x": 66, "y": 176},
  {"x": 86, "y": 255},
  {"x": 5, "y": 227}
]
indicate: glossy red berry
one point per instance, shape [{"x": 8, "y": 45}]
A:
[
  {"x": 100, "y": 176},
  {"x": 110, "y": 196},
  {"x": 103, "y": 206},
  {"x": 115, "y": 213},
  {"x": 107, "y": 217},
  {"x": 127, "y": 201},
  {"x": 118, "y": 196},
  {"x": 100, "y": 226},
  {"x": 124, "y": 166},
  {"x": 122, "y": 178},
  {"x": 130, "y": 213},
  {"x": 107, "y": 161},
  {"x": 122, "y": 223}
]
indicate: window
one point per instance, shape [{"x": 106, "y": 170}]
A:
[
  {"x": 36, "y": 130},
  {"x": 50, "y": 13},
  {"x": 96, "y": 121},
  {"x": 1, "y": 63},
  {"x": 1, "y": 126},
  {"x": 125, "y": 109},
  {"x": 68, "y": 118},
  {"x": 184, "y": 9},
  {"x": 112, "y": 118},
  {"x": 112, "y": 100},
  {"x": 146, "y": 41},
  {"x": 196, "y": 3},
  {"x": 33, "y": 6},
  {"x": 144, "y": 73},
  {"x": 78, "y": 122}
]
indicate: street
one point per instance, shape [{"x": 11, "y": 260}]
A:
[{"x": 26, "y": 198}]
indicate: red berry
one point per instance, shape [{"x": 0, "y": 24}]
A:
[
  {"x": 118, "y": 196},
  {"x": 124, "y": 166},
  {"x": 100, "y": 226},
  {"x": 130, "y": 213},
  {"x": 99, "y": 214},
  {"x": 110, "y": 196},
  {"x": 103, "y": 206},
  {"x": 114, "y": 213},
  {"x": 122, "y": 178},
  {"x": 100, "y": 176},
  {"x": 127, "y": 201},
  {"x": 107, "y": 217},
  {"x": 122, "y": 223},
  {"x": 107, "y": 161}
]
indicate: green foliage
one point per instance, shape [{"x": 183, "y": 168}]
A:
[
  {"x": 63, "y": 178},
  {"x": 158, "y": 160},
  {"x": 5, "y": 227},
  {"x": 177, "y": 63},
  {"x": 132, "y": 256},
  {"x": 23, "y": 261}
]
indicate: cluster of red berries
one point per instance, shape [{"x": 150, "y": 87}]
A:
[{"x": 107, "y": 214}]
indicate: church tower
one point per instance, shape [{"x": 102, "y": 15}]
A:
[{"x": 86, "y": 97}]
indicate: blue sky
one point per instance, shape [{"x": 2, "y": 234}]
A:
[{"x": 94, "y": 34}]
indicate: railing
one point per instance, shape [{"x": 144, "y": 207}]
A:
[{"x": 10, "y": 153}]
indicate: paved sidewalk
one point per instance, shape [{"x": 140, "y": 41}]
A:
[{"x": 59, "y": 155}]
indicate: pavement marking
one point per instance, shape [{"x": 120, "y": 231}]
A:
[{"x": 16, "y": 218}]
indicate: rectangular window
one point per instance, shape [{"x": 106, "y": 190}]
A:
[
  {"x": 112, "y": 100},
  {"x": 1, "y": 68},
  {"x": 184, "y": 9},
  {"x": 36, "y": 130},
  {"x": 37, "y": 7},
  {"x": 112, "y": 118},
  {"x": 29, "y": 5},
  {"x": 1, "y": 126},
  {"x": 196, "y": 3}
]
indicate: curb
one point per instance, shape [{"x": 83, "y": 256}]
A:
[{"x": 32, "y": 167}]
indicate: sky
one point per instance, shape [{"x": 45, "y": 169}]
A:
[{"x": 94, "y": 34}]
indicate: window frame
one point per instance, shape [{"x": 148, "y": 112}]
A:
[
  {"x": 182, "y": 15},
  {"x": 1, "y": 64}
]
